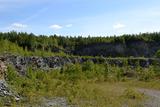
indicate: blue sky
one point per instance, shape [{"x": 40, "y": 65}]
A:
[{"x": 80, "y": 17}]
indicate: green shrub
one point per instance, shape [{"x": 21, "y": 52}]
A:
[
  {"x": 88, "y": 66},
  {"x": 156, "y": 69},
  {"x": 73, "y": 72},
  {"x": 11, "y": 74},
  {"x": 132, "y": 94},
  {"x": 146, "y": 74},
  {"x": 157, "y": 54}
]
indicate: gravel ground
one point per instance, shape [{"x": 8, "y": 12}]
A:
[
  {"x": 154, "y": 97},
  {"x": 52, "y": 102}
]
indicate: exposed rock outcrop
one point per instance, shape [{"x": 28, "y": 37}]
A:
[
  {"x": 5, "y": 91},
  {"x": 135, "y": 48},
  {"x": 21, "y": 63}
]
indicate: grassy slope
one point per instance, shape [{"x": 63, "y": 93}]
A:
[{"x": 86, "y": 85}]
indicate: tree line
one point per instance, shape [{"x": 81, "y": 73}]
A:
[{"x": 54, "y": 43}]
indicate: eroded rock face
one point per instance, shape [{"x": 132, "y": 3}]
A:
[
  {"x": 136, "y": 48},
  {"x": 5, "y": 91},
  {"x": 22, "y": 63}
]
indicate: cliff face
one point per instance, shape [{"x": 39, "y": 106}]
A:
[
  {"x": 21, "y": 63},
  {"x": 133, "y": 48}
]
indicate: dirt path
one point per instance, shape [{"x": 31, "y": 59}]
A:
[{"x": 154, "y": 97}]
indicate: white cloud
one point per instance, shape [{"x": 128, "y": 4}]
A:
[
  {"x": 14, "y": 26},
  {"x": 69, "y": 25},
  {"x": 55, "y": 27},
  {"x": 119, "y": 26},
  {"x": 18, "y": 25},
  {"x": 58, "y": 27}
]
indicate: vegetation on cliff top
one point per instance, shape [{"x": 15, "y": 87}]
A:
[{"x": 72, "y": 45}]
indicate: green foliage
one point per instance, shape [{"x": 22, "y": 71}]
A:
[
  {"x": 48, "y": 45},
  {"x": 77, "y": 82},
  {"x": 88, "y": 66},
  {"x": 11, "y": 74},
  {"x": 9, "y": 47},
  {"x": 146, "y": 74},
  {"x": 156, "y": 69},
  {"x": 157, "y": 54},
  {"x": 73, "y": 72},
  {"x": 132, "y": 94}
]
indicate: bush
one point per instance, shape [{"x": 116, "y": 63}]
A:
[
  {"x": 88, "y": 66},
  {"x": 146, "y": 74},
  {"x": 73, "y": 72},
  {"x": 157, "y": 54},
  {"x": 132, "y": 94},
  {"x": 11, "y": 74}
]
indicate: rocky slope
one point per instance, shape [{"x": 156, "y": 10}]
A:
[
  {"x": 5, "y": 91},
  {"x": 21, "y": 63}
]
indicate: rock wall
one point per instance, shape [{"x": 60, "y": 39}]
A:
[
  {"x": 135, "y": 48},
  {"x": 21, "y": 63}
]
